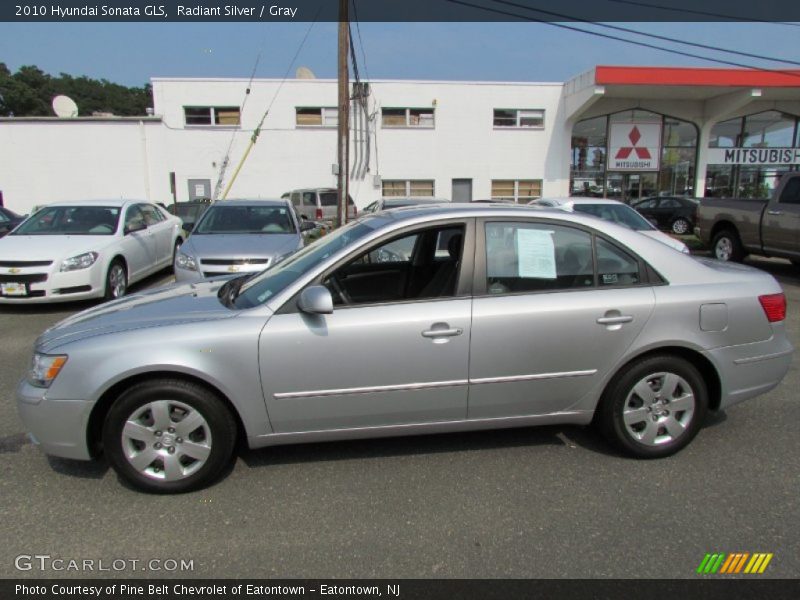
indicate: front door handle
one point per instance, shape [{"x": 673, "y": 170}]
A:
[
  {"x": 441, "y": 330},
  {"x": 615, "y": 320},
  {"x": 435, "y": 333},
  {"x": 774, "y": 212}
]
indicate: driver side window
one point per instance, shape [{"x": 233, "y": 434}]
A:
[
  {"x": 134, "y": 219},
  {"x": 406, "y": 268}
]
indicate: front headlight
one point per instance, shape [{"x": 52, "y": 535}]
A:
[
  {"x": 45, "y": 368},
  {"x": 184, "y": 261},
  {"x": 82, "y": 261}
]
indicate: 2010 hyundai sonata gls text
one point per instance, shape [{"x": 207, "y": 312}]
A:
[{"x": 481, "y": 317}]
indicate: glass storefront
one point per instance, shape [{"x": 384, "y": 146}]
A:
[
  {"x": 675, "y": 175},
  {"x": 768, "y": 129}
]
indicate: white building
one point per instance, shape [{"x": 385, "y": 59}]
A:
[{"x": 460, "y": 140}]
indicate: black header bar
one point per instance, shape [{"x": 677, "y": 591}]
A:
[{"x": 159, "y": 11}]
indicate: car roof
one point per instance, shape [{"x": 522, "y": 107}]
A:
[
  {"x": 243, "y": 202},
  {"x": 99, "y": 202},
  {"x": 582, "y": 200},
  {"x": 415, "y": 199}
]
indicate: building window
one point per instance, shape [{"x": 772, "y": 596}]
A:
[
  {"x": 520, "y": 191},
  {"x": 407, "y": 117},
  {"x": 225, "y": 116},
  {"x": 743, "y": 176},
  {"x": 317, "y": 117},
  {"x": 513, "y": 117},
  {"x": 407, "y": 187}
]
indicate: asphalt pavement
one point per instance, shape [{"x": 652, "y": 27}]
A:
[{"x": 536, "y": 502}]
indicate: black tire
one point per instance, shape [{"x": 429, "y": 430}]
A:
[
  {"x": 116, "y": 270},
  {"x": 727, "y": 246},
  {"x": 178, "y": 244},
  {"x": 171, "y": 464},
  {"x": 621, "y": 401},
  {"x": 681, "y": 226}
]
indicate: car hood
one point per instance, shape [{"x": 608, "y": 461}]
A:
[
  {"x": 250, "y": 245},
  {"x": 666, "y": 239},
  {"x": 176, "y": 304},
  {"x": 50, "y": 247}
]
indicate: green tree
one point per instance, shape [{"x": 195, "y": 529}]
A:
[{"x": 30, "y": 91}]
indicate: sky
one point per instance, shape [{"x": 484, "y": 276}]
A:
[{"x": 132, "y": 53}]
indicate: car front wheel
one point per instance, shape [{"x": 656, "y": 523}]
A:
[
  {"x": 116, "y": 281},
  {"x": 655, "y": 407},
  {"x": 169, "y": 436}
]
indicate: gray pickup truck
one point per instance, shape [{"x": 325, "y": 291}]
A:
[{"x": 734, "y": 228}]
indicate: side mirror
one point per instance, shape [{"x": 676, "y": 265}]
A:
[
  {"x": 307, "y": 226},
  {"x": 316, "y": 300},
  {"x": 135, "y": 226}
]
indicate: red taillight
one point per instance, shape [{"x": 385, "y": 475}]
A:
[
  {"x": 318, "y": 215},
  {"x": 774, "y": 306}
]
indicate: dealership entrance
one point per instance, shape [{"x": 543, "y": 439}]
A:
[{"x": 628, "y": 187}]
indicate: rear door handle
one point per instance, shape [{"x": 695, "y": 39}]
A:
[
  {"x": 774, "y": 212},
  {"x": 615, "y": 320}
]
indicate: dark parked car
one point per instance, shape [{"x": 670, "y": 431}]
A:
[
  {"x": 189, "y": 212},
  {"x": 8, "y": 220},
  {"x": 670, "y": 213}
]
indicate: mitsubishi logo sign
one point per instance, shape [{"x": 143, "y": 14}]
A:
[{"x": 634, "y": 146}]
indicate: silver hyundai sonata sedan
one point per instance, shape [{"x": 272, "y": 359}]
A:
[{"x": 483, "y": 317}]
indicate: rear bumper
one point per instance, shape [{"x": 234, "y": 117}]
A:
[
  {"x": 749, "y": 370},
  {"x": 58, "y": 426}
]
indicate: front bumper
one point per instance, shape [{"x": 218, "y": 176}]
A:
[
  {"x": 209, "y": 271},
  {"x": 59, "y": 426},
  {"x": 48, "y": 284},
  {"x": 749, "y": 370}
]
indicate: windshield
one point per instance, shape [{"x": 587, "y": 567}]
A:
[
  {"x": 278, "y": 277},
  {"x": 616, "y": 213},
  {"x": 71, "y": 220},
  {"x": 221, "y": 219}
]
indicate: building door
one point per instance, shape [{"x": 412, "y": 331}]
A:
[
  {"x": 629, "y": 187},
  {"x": 462, "y": 190},
  {"x": 199, "y": 189}
]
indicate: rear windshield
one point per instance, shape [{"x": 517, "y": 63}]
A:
[
  {"x": 71, "y": 220},
  {"x": 221, "y": 219},
  {"x": 616, "y": 213}
]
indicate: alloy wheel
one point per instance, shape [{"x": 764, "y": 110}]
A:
[{"x": 659, "y": 409}]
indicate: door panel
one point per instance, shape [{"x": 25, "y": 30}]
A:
[
  {"x": 318, "y": 371},
  {"x": 553, "y": 338},
  {"x": 138, "y": 246}
]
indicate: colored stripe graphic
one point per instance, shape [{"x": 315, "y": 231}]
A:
[
  {"x": 734, "y": 563},
  {"x": 730, "y": 564}
]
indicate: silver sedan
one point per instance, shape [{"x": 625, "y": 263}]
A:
[{"x": 494, "y": 317}]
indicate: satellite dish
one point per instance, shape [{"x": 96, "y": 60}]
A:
[
  {"x": 304, "y": 73},
  {"x": 65, "y": 107}
]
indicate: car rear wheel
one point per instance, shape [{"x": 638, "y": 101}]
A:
[
  {"x": 169, "y": 436},
  {"x": 116, "y": 281},
  {"x": 655, "y": 407},
  {"x": 726, "y": 246},
  {"x": 680, "y": 226}
]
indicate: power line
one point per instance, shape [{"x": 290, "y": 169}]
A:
[
  {"x": 650, "y": 35},
  {"x": 360, "y": 41},
  {"x": 704, "y": 13},
  {"x": 618, "y": 39}
]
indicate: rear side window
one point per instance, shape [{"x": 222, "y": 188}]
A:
[
  {"x": 529, "y": 257},
  {"x": 615, "y": 267},
  {"x": 791, "y": 193},
  {"x": 328, "y": 199}
]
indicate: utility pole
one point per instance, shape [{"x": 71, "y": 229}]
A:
[{"x": 344, "y": 113}]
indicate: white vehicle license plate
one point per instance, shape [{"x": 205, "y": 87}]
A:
[{"x": 13, "y": 289}]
